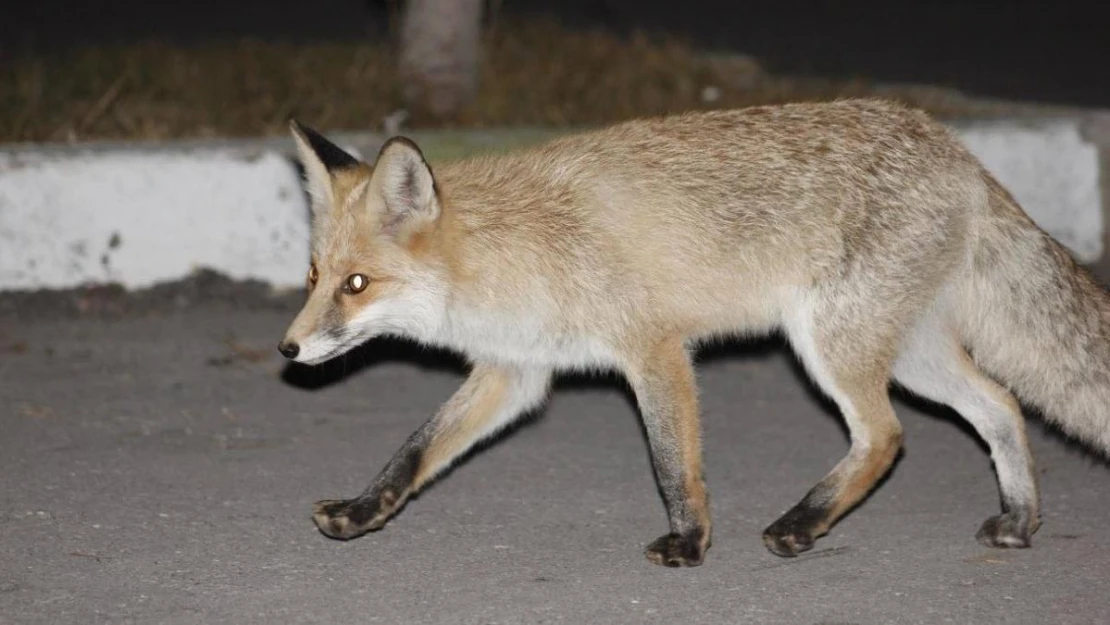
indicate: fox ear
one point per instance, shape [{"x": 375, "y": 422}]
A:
[
  {"x": 405, "y": 183},
  {"x": 320, "y": 159}
]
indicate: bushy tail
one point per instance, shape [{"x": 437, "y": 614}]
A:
[{"x": 1039, "y": 323}]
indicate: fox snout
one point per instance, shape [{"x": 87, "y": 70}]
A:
[
  {"x": 299, "y": 343},
  {"x": 319, "y": 333},
  {"x": 289, "y": 349},
  {"x": 313, "y": 345}
]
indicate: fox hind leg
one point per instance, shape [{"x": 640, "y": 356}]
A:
[
  {"x": 934, "y": 365},
  {"x": 851, "y": 363}
]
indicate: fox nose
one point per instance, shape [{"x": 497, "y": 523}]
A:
[{"x": 289, "y": 349}]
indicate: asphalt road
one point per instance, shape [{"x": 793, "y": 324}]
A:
[{"x": 159, "y": 464}]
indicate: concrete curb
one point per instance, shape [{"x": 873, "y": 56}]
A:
[{"x": 138, "y": 214}]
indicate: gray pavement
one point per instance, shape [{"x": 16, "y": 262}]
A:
[{"x": 159, "y": 463}]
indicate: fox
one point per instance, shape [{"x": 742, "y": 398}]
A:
[{"x": 861, "y": 229}]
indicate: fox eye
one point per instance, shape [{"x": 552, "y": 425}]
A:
[
  {"x": 313, "y": 274},
  {"x": 357, "y": 283}
]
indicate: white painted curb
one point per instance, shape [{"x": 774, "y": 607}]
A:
[
  {"x": 139, "y": 218},
  {"x": 1052, "y": 171},
  {"x": 138, "y": 215}
]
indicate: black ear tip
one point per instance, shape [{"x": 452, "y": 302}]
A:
[
  {"x": 332, "y": 156},
  {"x": 304, "y": 132}
]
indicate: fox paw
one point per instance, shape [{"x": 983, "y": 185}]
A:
[
  {"x": 677, "y": 549},
  {"x": 787, "y": 544},
  {"x": 795, "y": 531},
  {"x": 1010, "y": 530},
  {"x": 347, "y": 519}
]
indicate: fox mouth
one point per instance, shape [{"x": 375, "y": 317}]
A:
[{"x": 323, "y": 346}]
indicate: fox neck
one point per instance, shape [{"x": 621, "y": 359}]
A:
[
  {"x": 449, "y": 311},
  {"x": 495, "y": 311}
]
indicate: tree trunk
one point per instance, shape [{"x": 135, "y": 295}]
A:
[{"x": 440, "y": 49}]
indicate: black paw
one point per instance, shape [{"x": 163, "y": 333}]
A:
[
  {"x": 796, "y": 530},
  {"x": 785, "y": 542},
  {"x": 1010, "y": 530},
  {"x": 347, "y": 519},
  {"x": 678, "y": 549}
]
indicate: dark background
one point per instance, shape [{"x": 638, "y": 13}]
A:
[{"x": 1047, "y": 51}]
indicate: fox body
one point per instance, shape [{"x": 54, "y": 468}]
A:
[{"x": 861, "y": 229}]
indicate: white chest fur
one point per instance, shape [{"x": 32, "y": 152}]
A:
[{"x": 509, "y": 339}]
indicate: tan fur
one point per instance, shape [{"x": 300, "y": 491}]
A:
[
  {"x": 864, "y": 472},
  {"x": 667, "y": 392},
  {"x": 484, "y": 396},
  {"x": 861, "y": 228},
  {"x": 1039, "y": 322}
]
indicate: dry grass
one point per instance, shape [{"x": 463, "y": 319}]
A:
[{"x": 534, "y": 74}]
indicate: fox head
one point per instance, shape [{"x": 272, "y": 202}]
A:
[{"x": 371, "y": 271}]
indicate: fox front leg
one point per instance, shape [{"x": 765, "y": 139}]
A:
[
  {"x": 666, "y": 392},
  {"x": 490, "y": 399}
]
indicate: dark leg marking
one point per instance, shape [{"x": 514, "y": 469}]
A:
[
  {"x": 676, "y": 550},
  {"x": 1013, "y": 529},
  {"x": 351, "y": 518},
  {"x": 667, "y": 395},
  {"x": 795, "y": 531}
]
